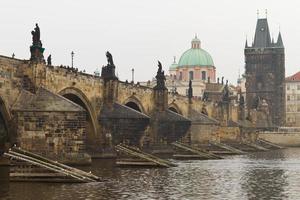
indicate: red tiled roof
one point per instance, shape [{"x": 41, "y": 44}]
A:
[{"x": 295, "y": 77}]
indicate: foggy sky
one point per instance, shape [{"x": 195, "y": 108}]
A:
[{"x": 140, "y": 32}]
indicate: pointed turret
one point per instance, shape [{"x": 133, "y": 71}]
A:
[
  {"x": 279, "y": 41},
  {"x": 262, "y": 37},
  {"x": 196, "y": 43},
  {"x": 246, "y": 44}
]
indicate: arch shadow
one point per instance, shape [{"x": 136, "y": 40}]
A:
[
  {"x": 5, "y": 125},
  {"x": 135, "y": 104},
  {"x": 77, "y": 96},
  {"x": 174, "y": 107}
]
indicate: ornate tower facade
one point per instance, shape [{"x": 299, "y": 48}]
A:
[{"x": 265, "y": 72}]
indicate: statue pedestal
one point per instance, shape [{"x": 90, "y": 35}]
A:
[
  {"x": 37, "y": 53},
  {"x": 108, "y": 72}
]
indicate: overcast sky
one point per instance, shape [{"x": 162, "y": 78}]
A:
[{"x": 140, "y": 32}]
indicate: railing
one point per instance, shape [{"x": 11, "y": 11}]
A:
[
  {"x": 196, "y": 150},
  {"x": 133, "y": 151},
  {"x": 54, "y": 166}
]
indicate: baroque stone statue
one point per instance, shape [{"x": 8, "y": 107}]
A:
[
  {"x": 36, "y": 49},
  {"x": 36, "y": 36},
  {"x": 190, "y": 90},
  {"x": 109, "y": 59},
  {"x": 160, "y": 78},
  {"x": 49, "y": 60},
  {"x": 108, "y": 71},
  {"x": 241, "y": 101}
]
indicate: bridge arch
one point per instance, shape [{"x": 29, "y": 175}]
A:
[
  {"x": 77, "y": 96},
  {"x": 174, "y": 107},
  {"x": 5, "y": 125},
  {"x": 135, "y": 104}
]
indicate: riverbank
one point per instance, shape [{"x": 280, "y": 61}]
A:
[{"x": 285, "y": 139}]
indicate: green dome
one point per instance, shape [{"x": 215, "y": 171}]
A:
[{"x": 195, "y": 57}]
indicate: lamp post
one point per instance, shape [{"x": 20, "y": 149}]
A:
[
  {"x": 72, "y": 57},
  {"x": 132, "y": 71}
]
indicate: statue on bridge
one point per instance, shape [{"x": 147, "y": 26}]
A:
[
  {"x": 241, "y": 100},
  {"x": 190, "y": 90},
  {"x": 160, "y": 78},
  {"x": 49, "y": 60},
  {"x": 36, "y": 49},
  {"x": 108, "y": 71},
  {"x": 36, "y": 36},
  {"x": 109, "y": 57},
  {"x": 225, "y": 95}
]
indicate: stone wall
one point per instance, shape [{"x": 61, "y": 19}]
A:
[
  {"x": 10, "y": 80},
  {"x": 282, "y": 138},
  {"x": 226, "y": 134},
  {"x": 202, "y": 133},
  {"x": 58, "y": 135}
]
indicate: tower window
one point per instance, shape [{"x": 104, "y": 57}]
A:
[
  {"x": 203, "y": 75},
  {"x": 191, "y": 75}
]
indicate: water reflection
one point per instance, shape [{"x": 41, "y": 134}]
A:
[
  {"x": 4, "y": 182},
  {"x": 267, "y": 175}
]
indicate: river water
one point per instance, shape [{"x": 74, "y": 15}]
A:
[{"x": 263, "y": 175}]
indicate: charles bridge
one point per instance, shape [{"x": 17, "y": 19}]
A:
[{"x": 59, "y": 111}]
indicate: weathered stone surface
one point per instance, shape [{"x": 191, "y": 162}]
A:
[
  {"x": 94, "y": 95},
  {"x": 123, "y": 124},
  {"x": 51, "y": 125}
]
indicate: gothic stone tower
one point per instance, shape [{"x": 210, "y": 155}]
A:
[{"x": 265, "y": 72}]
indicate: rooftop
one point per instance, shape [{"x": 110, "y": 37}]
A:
[{"x": 293, "y": 78}]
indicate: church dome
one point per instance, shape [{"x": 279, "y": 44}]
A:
[{"x": 195, "y": 56}]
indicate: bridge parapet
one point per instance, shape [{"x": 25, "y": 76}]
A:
[
  {"x": 140, "y": 94},
  {"x": 10, "y": 79}
]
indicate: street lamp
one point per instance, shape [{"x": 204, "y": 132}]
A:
[
  {"x": 132, "y": 71},
  {"x": 72, "y": 57}
]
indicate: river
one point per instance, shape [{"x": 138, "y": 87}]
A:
[{"x": 263, "y": 175}]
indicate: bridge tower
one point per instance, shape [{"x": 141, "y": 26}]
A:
[{"x": 265, "y": 72}]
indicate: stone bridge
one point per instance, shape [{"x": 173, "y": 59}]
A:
[
  {"x": 86, "y": 90},
  {"x": 59, "y": 110}
]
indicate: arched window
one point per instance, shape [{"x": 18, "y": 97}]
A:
[
  {"x": 180, "y": 75},
  {"x": 191, "y": 75},
  {"x": 203, "y": 77}
]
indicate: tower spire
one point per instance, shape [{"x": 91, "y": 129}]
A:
[
  {"x": 262, "y": 38},
  {"x": 246, "y": 44},
  {"x": 279, "y": 40}
]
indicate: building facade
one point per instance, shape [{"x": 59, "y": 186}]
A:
[
  {"x": 265, "y": 72},
  {"x": 195, "y": 64},
  {"x": 292, "y": 84}
]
